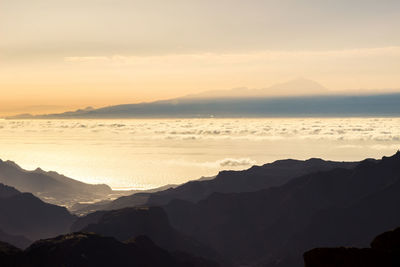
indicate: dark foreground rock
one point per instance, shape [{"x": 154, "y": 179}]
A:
[
  {"x": 92, "y": 250},
  {"x": 384, "y": 252}
]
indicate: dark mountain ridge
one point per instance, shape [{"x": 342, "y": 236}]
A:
[
  {"x": 24, "y": 217},
  {"x": 7, "y": 191},
  {"x": 274, "y": 226},
  {"x": 17, "y": 240},
  {"x": 253, "y": 179},
  {"x": 384, "y": 252},
  {"x": 91, "y": 250},
  {"x": 299, "y": 205},
  {"x": 53, "y": 187},
  {"x": 153, "y": 222}
]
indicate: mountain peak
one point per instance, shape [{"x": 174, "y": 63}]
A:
[
  {"x": 391, "y": 159},
  {"x": 294, "y": 87},
  {"x": 298, "y": 86},
  {"x": 7, "y": 191}
]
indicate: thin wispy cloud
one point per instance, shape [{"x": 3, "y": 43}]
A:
[{"x": 251, "y": 56}]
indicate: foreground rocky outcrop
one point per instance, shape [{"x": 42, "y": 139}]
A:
[
  {"x": 384, "y": 252},
  {"x": 91, "y": 250},
  {"x": 9, "y": 255}
]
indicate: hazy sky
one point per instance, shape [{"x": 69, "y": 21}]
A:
[{"x": 61, "y": 54}]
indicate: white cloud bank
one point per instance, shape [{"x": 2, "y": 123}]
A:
[{"x": 196, "y": 130}]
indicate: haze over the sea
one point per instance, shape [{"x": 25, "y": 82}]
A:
[
  {"x": 154, "y": 152},
  {"x": 65, "y": 55}
]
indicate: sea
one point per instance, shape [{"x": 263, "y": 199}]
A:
[{"x": 148, "y": 153}]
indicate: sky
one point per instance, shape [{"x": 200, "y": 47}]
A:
[{"x": 56, "y": 55}]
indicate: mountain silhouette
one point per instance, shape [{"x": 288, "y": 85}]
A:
[
  {"x": 253, "y": 179},
  {"x": 384, "y": 252},
  {"x": 7, "y": 191},
  {"x": 23, "y": 214},
  {"x": 50, "y": 186},
  {"x": 265, "y": 216},
  {"x": 275, "y": 226},
  {"x": 9, "y": 255},
  {"x": 295, "y": 87},
  {"x": 153, "y": 222},
  {"x": 256, "y": 106},
  {"x": 91, "y": 250},
  {"x": 17, "y": 240}
]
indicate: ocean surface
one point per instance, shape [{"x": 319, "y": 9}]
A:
[{"x": 143, "y": 154}]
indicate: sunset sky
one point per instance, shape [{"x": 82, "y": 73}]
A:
[{"x": 58, "y": 55}]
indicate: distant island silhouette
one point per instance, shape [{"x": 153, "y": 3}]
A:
[
  {"x": 296, "y": 98},
  {"x": 384, "y": 105}
]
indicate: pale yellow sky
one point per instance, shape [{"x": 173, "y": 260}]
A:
[{"x": 59, "y": 55}]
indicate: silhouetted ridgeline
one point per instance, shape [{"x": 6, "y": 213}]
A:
[
  {"x": 273, "y": 227},
  {"x": 268, "y": 216},
  {"x": 91, "y": 250},
  {"x": 22, "y": 214},
  {"x": 51, "y": 186},
  {"x": 384, "y": 252},
  {"x": 25, "y": 218},
  {"x": 153, "y": 222},
  {"x": 301, "y": 106},
  {"x": 253, "y": 179},
  {"x": 17, "y": 240}
]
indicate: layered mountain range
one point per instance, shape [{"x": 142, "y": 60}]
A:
[
  {"x": 265, "y": 216},
  {"x": 25, "y": 218},
  {"x": 275, "y": 225},
  {"x": 91, "y": 250},
  {"x": 53, "y": 187},
  {"x": 253, "y": 179}
]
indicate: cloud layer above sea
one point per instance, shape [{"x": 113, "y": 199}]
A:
[
  {"x": 153, "y": 152},
  {"x": 339, "y": 129}
]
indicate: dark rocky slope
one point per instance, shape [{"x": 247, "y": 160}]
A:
[
  {"x": 273, "y": 227},
  {"x": 50, "y": 186},
  {"x": 253, "y": 179},
  {"x": 23, "y": 214},
  {"x": 17, "y": 240},
  {"x": 9, "y": 255},
  {"x": 153, "y": 222},
  {"x": 384, "y": 252},
  {"x": 91, "y": 250}
]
